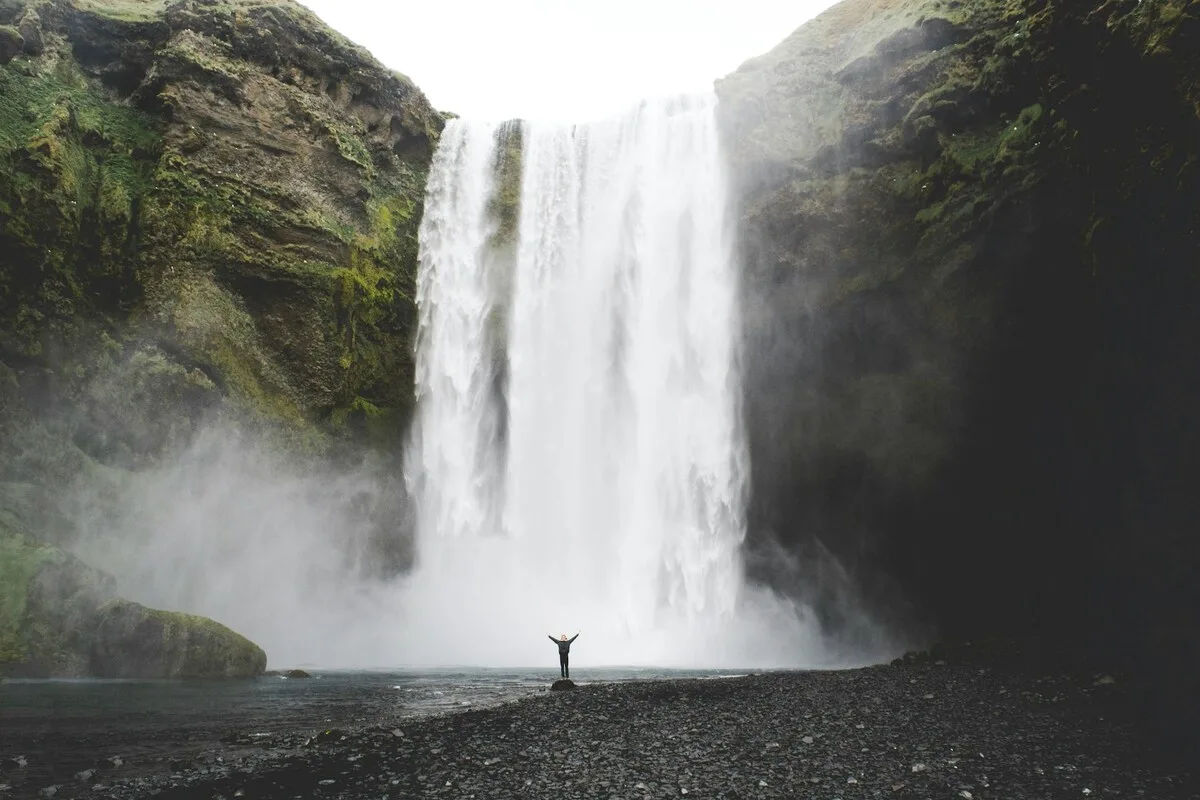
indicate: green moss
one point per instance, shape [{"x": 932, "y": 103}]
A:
[
  {"x": 975, "y": 154},
  {"x": 124, "y": 10},
  {"x": 213, "y": 324},
  {"x": 504, "y": 207},
  {"x": 351, "y": 147},
  {"x": 73, "y": 168},
  {"x": 135, "y": 641},
  {"x": 20, "y": 562},
  {"x": 212, "y": 57},
  {"x": 132, "y": 220}
]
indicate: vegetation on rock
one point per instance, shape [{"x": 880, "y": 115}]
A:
[
  {"x": 207, "y": 210},
  {"x": 59, "y": 618},
  {"x": 232, "y": 185}
]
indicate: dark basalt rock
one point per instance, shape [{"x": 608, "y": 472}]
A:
[
  {"x": 919, "y": 730},
  {"x": 563, "y": 685},
  {"x": 286, "y": 673},
  {"x": 11, "y": 44},
  {"x": 951, "y": 332}
]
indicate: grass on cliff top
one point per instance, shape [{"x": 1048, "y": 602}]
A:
[
  {"x": 124, "y": 10},
  {"x": 150, "y": 10},
  {"x": 853, "y": 28}
]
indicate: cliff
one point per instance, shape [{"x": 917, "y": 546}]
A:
[
  {"x": 215, "y": 201},
  {"x": 208, "y": 211},
  {"x": 970, "y": 233}
]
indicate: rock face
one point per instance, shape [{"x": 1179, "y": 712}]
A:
[
  {"x": 229, "y": 189},
  {"x": 208, "y": 210},
  {"x": 970, "y": 237},
  {"x": 59, "y": 618}
]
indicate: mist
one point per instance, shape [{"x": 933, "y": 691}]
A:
[{"x": 294, "y": 556}]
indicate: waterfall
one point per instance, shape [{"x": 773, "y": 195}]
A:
[{"x": 581, "y": 465}]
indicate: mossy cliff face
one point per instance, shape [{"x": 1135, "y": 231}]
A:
[
  {"x": 970, "y": 233},
  {"x": 229, "y": 189},
  {"x": 208, "y": 211}
]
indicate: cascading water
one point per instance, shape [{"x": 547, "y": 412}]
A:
[{"x": 604, "y": 490}]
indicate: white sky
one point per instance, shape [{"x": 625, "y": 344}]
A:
[{"x": 562, "y": 59}]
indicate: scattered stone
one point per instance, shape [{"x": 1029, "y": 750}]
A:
[
  {"x": 623, "y": 740},
  {"x": 85, "y": 776},
  {"x": 236, "y": 737}
]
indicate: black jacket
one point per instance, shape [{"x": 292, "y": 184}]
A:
[{"x": 563, "y": 647}]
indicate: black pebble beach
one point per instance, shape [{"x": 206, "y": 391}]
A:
[{"x": 913, "y": 729}]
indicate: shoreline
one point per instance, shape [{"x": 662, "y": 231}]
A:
[{"x": 916, "y": 728}]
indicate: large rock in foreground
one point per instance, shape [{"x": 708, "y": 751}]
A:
[
  {"x": 133, "y": 641},
  {"x": 60, "y": 618}
]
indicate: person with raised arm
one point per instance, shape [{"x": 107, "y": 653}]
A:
[{"x": 564, "y": 650}]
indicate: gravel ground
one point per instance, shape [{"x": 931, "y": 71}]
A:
[{"x": 915, "y": 729}]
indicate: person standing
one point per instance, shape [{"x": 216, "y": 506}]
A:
[{"x": 564, "y": 652}]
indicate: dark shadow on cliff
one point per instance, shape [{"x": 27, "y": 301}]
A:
[{"x": 1063, "y": 507}]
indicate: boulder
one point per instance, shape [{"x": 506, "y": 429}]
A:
[
  {"x": 61, "y": 618},
  {"x": 563, "y": 685},
  {"x": 133, "y": 641},
  {"x": 30, "y": 28},
  {"x": 287, "y": 673},
  {"x": 11, "y": 43}
]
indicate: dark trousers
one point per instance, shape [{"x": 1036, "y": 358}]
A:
[{"x": 562, "y": 665}]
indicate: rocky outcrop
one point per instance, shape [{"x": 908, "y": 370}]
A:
[
  {"x": 970, "y": 235},
  {"x": 59, "y": 618}
]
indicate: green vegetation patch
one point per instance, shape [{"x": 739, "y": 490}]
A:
[
  {"x": 138, "y": 642},
  {"x": 73, "y": 170},
  {"x": 124, "y": 10},
  {"x": 20, "y": 561}
]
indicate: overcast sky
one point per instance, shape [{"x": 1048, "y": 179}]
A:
[{"x": 562, "y": 59}]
